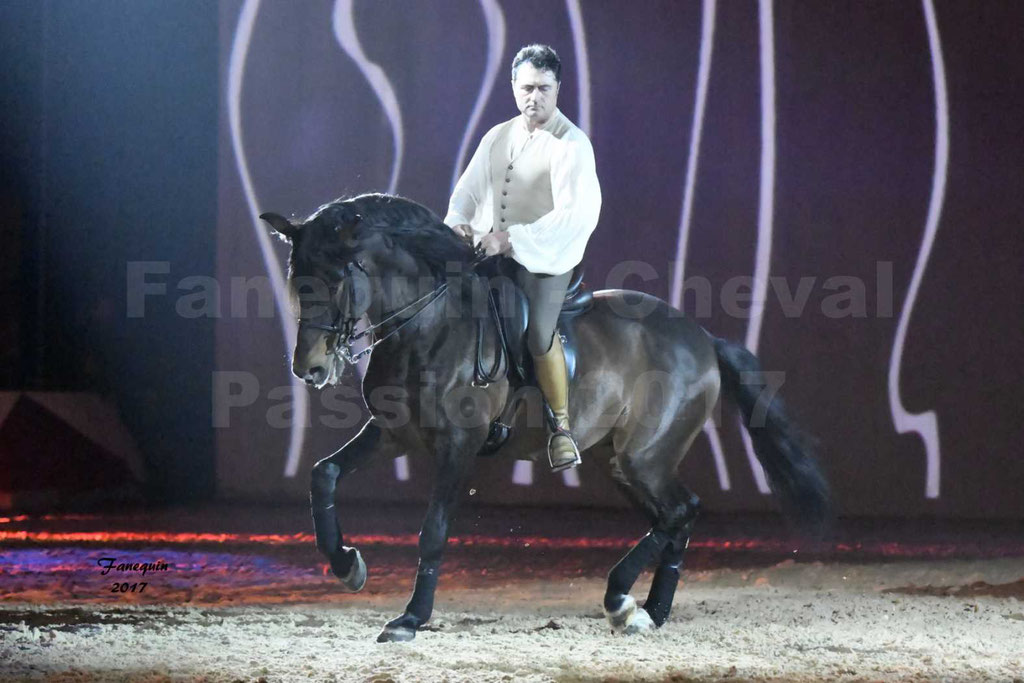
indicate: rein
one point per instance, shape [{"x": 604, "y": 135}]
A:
[
  {"x": 347, "y": 354},
  {"x": 346, "y": 337},
  {"x": 481, "y": 377}
]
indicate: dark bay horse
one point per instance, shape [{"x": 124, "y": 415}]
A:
[{"x": 647, "y": 378}]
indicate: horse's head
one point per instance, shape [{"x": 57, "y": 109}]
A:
[
  {"x": 324, "y": 292},
  {"x": 346, "y": 261}
]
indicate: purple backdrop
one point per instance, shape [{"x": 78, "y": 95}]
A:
[{"x": 863, "y": 152}]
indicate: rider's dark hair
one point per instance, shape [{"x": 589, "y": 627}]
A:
[{"x": 543, "y": 58}]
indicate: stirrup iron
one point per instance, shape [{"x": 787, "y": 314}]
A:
[{"x": 575, "y": 449}]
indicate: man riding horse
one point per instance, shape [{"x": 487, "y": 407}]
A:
[
  {"x": 384, "y": 262},
  {"x": 530, "y": 192}
]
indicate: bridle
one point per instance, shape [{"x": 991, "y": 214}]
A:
[{"x": 343, "y": 329}]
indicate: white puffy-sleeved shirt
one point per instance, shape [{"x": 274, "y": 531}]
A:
[{"x": 540, "y": 187}]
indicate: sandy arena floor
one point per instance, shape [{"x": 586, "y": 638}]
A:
[{"x": 233, "y": 609}]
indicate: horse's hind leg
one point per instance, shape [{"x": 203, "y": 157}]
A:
[
  {"x": 672, "y": 510},
  {"x": 666, "y": 576}
]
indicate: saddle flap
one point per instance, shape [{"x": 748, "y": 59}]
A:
[
  {"x": 513, "y": 314},
  {"x": 511, "y": 311}
]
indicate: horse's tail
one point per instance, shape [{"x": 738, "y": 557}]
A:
[{"x": 793, "y": 473}]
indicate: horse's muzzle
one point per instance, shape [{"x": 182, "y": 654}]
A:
[{"x": 314, "y": 376}]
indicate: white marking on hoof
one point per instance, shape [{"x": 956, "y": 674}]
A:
[
  {"x": 629, "y": 618},
  {"x": 640, "y": 623},
  {"x": 621, "y": 617}
]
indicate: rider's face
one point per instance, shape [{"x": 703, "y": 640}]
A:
[{"x": 536, "y": 94}]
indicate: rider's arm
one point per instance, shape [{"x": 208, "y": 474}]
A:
[
  {"x": 472, "y": 189},
  {"x": 554, "y": 243}
]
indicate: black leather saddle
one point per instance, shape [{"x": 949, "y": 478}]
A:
[{"x": 510, "y": 310}]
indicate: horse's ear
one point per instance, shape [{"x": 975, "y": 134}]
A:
[{"x": 281, "y": 226}]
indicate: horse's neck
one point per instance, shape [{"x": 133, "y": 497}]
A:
[
  {"x": 445, "y": 317},
  {"x": 397, "y": 292}
]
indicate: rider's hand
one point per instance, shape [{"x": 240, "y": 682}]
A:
[
  {"x": 495, "y": 243},
  {"x": 463, "y": 230}
]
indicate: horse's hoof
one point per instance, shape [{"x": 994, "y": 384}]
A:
[
  {"x": 354, "y": 579},
  {"x": 628, "y": 618},
  {"x": 640, "y": 623},
  {"x": 396, "y": 634},
  {"x": 620, "y": 617}
]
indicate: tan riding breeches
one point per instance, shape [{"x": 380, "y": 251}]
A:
[{"x": 545, "y": 295}]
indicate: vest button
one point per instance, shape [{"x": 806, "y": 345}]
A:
[
  {"x": 510, "y": 167},
  {"x": 504, "y": 192},
  {"x": 503, "y": 219},
  {"x": 503, "y": 206},
  {"x": 507, "y": 179}
]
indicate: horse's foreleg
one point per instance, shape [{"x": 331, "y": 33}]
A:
[
  {"x": 346, "y": 563},
  {"x": 451, "y": 477}
]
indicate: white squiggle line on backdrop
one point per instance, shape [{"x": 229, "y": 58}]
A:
[
  {"x": 711, "y": 431},
  {"x": 495, "y": 21},
  {"x": 925, "y": 424},
  {"x": 347, "y": 37},
  {"x": 236, "y": 69},
  {"x": 765, "y": 209},
  {"x": 345, "y": 32},
  {"x": 522, "y": 475},
  {"x": 707, "y": 39},
  {"x": 579, "y": 37},
  {"x": 571, "y": 477}
]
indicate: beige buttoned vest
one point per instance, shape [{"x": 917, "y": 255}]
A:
[{"x": 522, "y": 184}]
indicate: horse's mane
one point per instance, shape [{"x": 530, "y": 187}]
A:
[{"x": 412, "y": 226}]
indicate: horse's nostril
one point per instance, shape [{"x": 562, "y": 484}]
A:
[{"x": 316, "y": 374}]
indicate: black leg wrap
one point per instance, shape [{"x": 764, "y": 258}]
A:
[
  {"x": 331, "y": 543},
  {"x": 327, "y": 530},
  {"x": 624, "y": 574},
  {"x": 321, "y": 499},
  {"x": 421, "y": 605},
  {"x": 663, "y": 587},
  {"x": 419, "y": 609}
]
